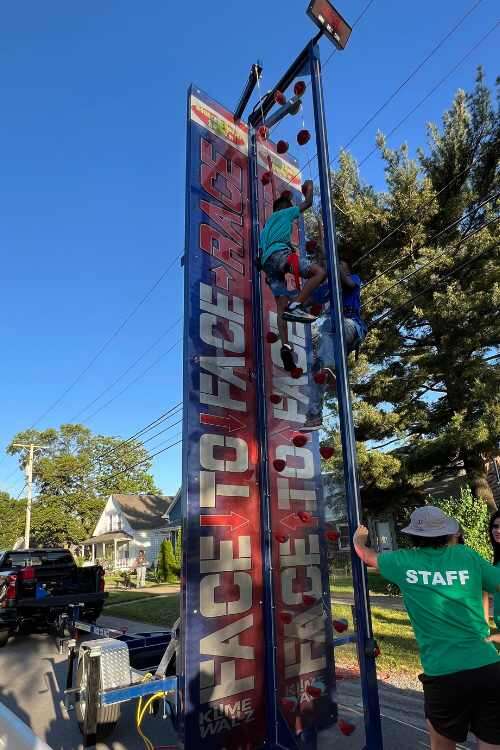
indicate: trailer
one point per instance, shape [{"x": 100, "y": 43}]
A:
[{"x": 114, "y": 668}]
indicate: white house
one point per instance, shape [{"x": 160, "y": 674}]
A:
[{"x": 130, "y": 523}]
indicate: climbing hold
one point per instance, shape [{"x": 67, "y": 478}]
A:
[
  {"x": 299, "y": 440},
  {"x": 266, "y": 178},
  {"x": 316, "y": 310},
  {"x": 299, "y": 88},
  {"x": 279, "y": 98},
  {"x": 308, "y": 599},
  {"x": 286, "y": 617},
  {"x": 340, "y": 625},
  {"x": 376, "y": 652},
  {"x": 287, "y": 195},
  {"x": 311, "y": 246},
  {"x": 326, "y": 452},
  {"x": 345, "y": 727},
  {"x": 304, "y": 516},
  {"x": 279, "y": 464},
  {"x": 271, "y": 337},
  {"x": 275, "y": 398},
  {"x": 314, "y": 692},
  {"x": 282, "y": 147},
  {"x": 320, "y": 377},
  {"x": 333, "y": 536},
  {"x": 289, "y": 704},
  {"x": 303, "y": 137},
  {"x": 297, "y": 373},
  {"x": 263, "y": 132},
  {"x": 281, "y": 538}
]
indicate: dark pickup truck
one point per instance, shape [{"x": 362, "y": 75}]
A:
[{"x": 37, "y": 586}]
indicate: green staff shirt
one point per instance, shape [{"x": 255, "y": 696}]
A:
[
  {"x": 277, "y": 232},
  {"x": 442, "y": 591},
  {"x": 496, "y": 605}
]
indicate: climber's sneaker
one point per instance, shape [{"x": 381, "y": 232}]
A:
[
  {"x": 312, "y": 424},
  {"x": 287, "y": 357},
  {"x": 297, "y": 313}
]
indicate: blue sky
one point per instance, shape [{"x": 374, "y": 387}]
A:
[{"x": 92, "y": 177}]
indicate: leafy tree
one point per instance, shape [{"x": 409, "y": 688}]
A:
[
  {"x": 12, "y": 519},
  {"x": 473, "y": 519},
  {"x": 167, "y": 564},
  {"x": 427, "y": 382},
  {"x": 73, "y": 475}
]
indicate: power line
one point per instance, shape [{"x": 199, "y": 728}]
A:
[
  {"x": 107, "y": 342},
  {"x": 434, "y": 258},
  {"x": 432, "y": 287},
  {"x": 139, "y": 463},
  {"x": 125, "y": 372}
]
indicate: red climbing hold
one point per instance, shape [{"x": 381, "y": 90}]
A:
[
  {"x": 299, "y": 88},
  {"x": 340, "y": 625},
  {"x": 279, "y": 98},
  {"x": 308, "y": 599},
  {"x": 281, "y": 538},
  {"x": 289, "y": 704},
  {"x": 286, "y": 617},
  {"x": 279, "y": 464},
  {"x": 282, "y": 147},
  {"x": 271, "y": 337},
  {"x": 287, "y": 195},
  {"x": 304, "y": 516},
  {"x": 266, "y": 178},
  {"x": 299, "y": 440},
  {"x": 296, "y": 373},
  {"x": 326, "y": 451},
  {"x": 320, "y": 377},
  {"x": 275, "y": 398},
  {"x": 345, "y": 727},
  {"x": 303, "y": 137},
  {"x": 314, "y": 692},
  {"x": 333, "y": 536},
  {"x": 376, "y": 652},
  {"x": 311, "y": 246},
  {"x": 316, "y": 310},
  {"x": 263, "y": 132}
]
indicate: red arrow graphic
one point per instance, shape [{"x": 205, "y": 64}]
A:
[
  {"x": 292, "y": 521},
  {"x": 229, "y": 423},
  {"x": 233, "y": 520}
]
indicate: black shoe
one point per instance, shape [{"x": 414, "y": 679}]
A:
[
  {"x": 297, "y": 313},
  {"x": 287, "y": 357}
]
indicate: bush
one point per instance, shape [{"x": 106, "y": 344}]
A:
[
  {"x": 167, "y": 565},
  {"x": 377, "y": 584},
  {"x": 473, "y": 516}
]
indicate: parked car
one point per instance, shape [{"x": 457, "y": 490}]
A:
[{"x": 37, "y": 586}]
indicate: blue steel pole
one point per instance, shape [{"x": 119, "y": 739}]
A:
[
  {"x": 364, "y": 628},
  {"x": 267, "y": 594}
]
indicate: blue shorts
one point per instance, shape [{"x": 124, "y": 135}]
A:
[{"x": 275, "y": 269}]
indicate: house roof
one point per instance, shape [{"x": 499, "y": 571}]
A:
[
  {"x": 175, "y": 499},
  {"x": 144, "y": 511},
  {"x": 108, "y": 536}
]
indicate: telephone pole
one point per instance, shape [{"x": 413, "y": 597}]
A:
[{"x": 29, "y": 475}]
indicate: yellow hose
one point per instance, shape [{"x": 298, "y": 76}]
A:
[{"x": 141, "y": 712}]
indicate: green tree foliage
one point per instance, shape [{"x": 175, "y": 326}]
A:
[
  {"x": 472, "y": 517},
  {"x": 74, "y": 474},
  {"x": 168, "y": 567},
  {"x": 426, "y": 386},
  {"x": 12, "y": 517}
]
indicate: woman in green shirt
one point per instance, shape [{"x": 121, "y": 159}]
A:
[{"x": 495, "y": 541}]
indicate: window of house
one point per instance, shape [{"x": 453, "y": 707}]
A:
[{"x": 344, "y": 541}]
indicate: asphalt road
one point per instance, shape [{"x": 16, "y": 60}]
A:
[{"x": 32, "y": 680}]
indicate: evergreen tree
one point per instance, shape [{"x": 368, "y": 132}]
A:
[{"x": 426, "y": 387}]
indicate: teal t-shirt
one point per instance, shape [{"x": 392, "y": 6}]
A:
[
  {"x": 277, "y": 231},
  {"x": 442, "y": 591},
  {"x": 496, "y": 605}
]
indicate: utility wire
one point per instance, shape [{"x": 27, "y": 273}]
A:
[
  {"x": 139, "y": 463},
  {"x": 434, "y": 258}
]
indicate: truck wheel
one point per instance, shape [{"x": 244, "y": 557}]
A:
[
  {"x": 95, "y": 723},
  {"x": 4, "y": 637}
]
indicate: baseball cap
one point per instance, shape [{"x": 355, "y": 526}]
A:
[{"x": 431, "y": 521}]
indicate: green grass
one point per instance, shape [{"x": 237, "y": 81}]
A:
[
  {"x": 392, "y": 631},
  {"x": 156, "y": 610},
  {"x": 128, "y": 595},
  {"x": 341, "y": 584}
]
